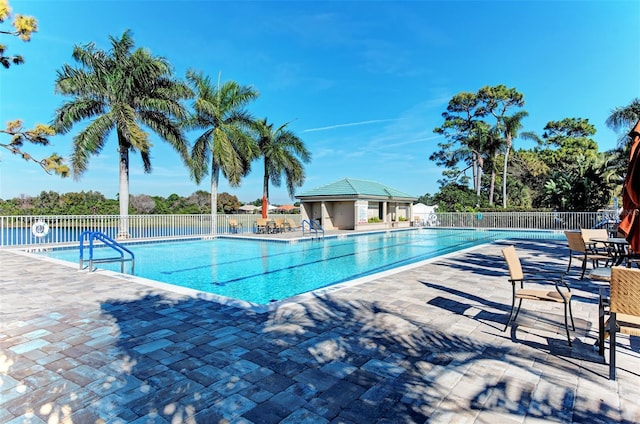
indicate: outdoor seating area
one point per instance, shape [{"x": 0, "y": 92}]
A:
[
  {"x": 561, "y": 293},
  {"x": 234, "y": 226},
  {"x": 586, "y": 251},
  {"x": 422, "y": 345},
  {"x": 618, "y": 311},
  {"x": 273, "y": 226},
  {"x": 618, "y": 286}
]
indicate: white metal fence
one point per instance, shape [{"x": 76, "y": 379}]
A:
[
  {"x": 37, "y": 230},
  {"x": 33, "y": 230},
  {"x": 529, "y": 220}
]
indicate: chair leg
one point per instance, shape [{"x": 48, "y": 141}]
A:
[
  {"x": 601, "y": 328},
  {"x": 513, "y": 303},
  {"x": 612, "y": 346},
  {"x": 569, "y": 266},
  {"x": 584, "y": 268},
  {"x": 518, "y": 310},
  {"x": 566, "y": 324},
  {"x": 573, "y": 324}
]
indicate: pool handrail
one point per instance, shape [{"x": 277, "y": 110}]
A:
[
  {"x": 109, "y": 242},
  {"x": 313, "y": 226}
]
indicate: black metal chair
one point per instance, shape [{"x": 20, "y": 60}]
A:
[{"x": 518, "y": 280}]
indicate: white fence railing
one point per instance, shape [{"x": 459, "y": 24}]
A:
[
  {"x": 35, "y": 230},
  {"x": 529, "y": 220},
  {"x": 31, "y": 230}
]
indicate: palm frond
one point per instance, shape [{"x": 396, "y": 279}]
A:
[
  {"x": 75, "y": 111},
  {"x": 90, "y": 141}
]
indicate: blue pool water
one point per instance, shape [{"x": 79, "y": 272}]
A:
[{"x": 264, "y": 271}]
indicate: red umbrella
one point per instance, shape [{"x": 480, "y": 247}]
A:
[
  {"x": 265, "y": 206},
  {"x": 629, "y": 222}
]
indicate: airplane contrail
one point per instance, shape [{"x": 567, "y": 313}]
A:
[{"x": 351, "y": 124}]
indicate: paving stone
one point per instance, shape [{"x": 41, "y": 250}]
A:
[
  {"x": 304, "y": 416},
  {"x": 234, "y": 406},
  {"x": 316, "y": 379},
  {"x": 424, "y": 345},
  {"x": 275, "y": 382}
]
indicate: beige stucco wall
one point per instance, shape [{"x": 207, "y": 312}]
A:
[
  {"x": 343, "y": 215},
  {"x": 353, "y": 214}
]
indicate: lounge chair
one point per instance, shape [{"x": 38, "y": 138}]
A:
[
  {"x": 291, "y": 225},
  {"x": 579, "y": 250},
  {"x": 557, "y": 294},
  {"x": 623, "y": 308},
  {"x": 234, "y": 226},
  {"x": 261, "y": 226},
  {"x": 279, "y": 227}
]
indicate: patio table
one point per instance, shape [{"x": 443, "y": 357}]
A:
[{"x": 618, "y": 248}]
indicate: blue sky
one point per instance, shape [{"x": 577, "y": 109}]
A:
[{"x": 363, "y": 83}]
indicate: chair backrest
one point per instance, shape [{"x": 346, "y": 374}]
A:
[
  {"x": 625, "y": 290},
  {"x": 591, "y": 233},
  {"x": 291, "y": 223},
  {"x": 233, "y": 223},
  {"x": 262, "y": 222},
  {"x": 513, "y": 262},
  {"x": 279, "y": 222},
  {"x": 575, "y": 240}
]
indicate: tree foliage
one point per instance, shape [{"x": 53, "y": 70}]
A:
[
  {"x": 455, "y": 197},
  {"x": 477, "y": 128},
  {"x": 565, "y": 171},
  {"x": 225, "y": 145},
  {"x": 125, "y": 90},
  {"x": 283, "y": 154},
  {"x": 22, "y": 27},
  {"x": 38, "y": 135},
  {"x": 228, "y": 203},
  {"x": 95, "y": 203}
]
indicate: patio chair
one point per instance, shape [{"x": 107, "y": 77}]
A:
[
  {"x": 623, "y": 309},
  {"x": 588, "y": 234},
  {"x": 261, "y": 226},
  {"x": 291, "y": 225},
  {"x": 517, "y": 281},
  {"x": 579, "y": 250},
  {"x": 279, "y": 225},
  {"x": 234, "y": 226}
]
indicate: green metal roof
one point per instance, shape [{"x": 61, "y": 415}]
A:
[{"x": 352, "y": 187}]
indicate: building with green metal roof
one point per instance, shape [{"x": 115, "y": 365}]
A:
[{"x": 352, "y": 204}]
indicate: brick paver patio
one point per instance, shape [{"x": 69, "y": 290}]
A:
[{"x": 422, "y": 345}]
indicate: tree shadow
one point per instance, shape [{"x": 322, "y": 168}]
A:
[{"x": 322, "y": 360}]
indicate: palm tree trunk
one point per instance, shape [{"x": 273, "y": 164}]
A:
[
  {"x": 504, "y": 172},
  {"x": 265, "y": 180},
  {"x": 480, "y": 165},
  {"x": 215, "y": 177},
  {"x": 123, "y": 227},
  {"x": 492, "y": 187}
]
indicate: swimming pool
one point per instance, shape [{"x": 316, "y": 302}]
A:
[{"x": 262, "y": 272}]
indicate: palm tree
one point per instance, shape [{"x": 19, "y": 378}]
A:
[
  {"x": 225, "y": 142},
  {"x": 511, "y": 125},
  {"x": 623, "y": 118},
  {"x": 283, "y": 153},
  {"x": 120, "y": 89}
]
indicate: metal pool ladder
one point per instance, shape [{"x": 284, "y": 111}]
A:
[
  {"x": 109, "y": 242},
  {"x": 313, "y": 226}
]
